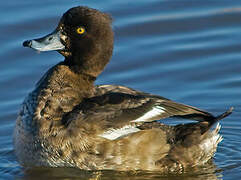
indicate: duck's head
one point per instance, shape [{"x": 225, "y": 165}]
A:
[{"x": 84, "y": 36}]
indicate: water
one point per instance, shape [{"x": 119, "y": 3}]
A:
[{"x": 188, "y": 51}]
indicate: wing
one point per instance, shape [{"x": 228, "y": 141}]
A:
[
  {"x": 121, "y": 108},
  {"x": 116, "y": 111},
  {"x": 146, "y": 107}
]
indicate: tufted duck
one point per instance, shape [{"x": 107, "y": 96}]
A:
[{"x": 67, "y": 121}]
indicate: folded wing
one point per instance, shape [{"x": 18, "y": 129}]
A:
[{"x": 119, "y": 112}]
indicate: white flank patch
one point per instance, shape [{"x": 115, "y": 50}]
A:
[
  {"x": 212, "y": 142},
  {"x": 116, "y": 133},
  {"x": 155, "y": 111}
]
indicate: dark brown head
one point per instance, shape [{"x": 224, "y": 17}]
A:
[{"x": 84, "y": 36}]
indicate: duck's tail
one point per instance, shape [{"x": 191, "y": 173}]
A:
[
  {"x": 216, "y": 119},
  {"x": 223, "y": 115}
]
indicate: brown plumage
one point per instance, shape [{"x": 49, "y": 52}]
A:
[{"x": 68, "y": 122}]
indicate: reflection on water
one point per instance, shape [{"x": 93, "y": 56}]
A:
[
  {"x": 188, "y": 51},
  {"x": 208, "y": 172}
]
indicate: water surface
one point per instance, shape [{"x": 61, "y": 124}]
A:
[{"x": 188, "y": 51}]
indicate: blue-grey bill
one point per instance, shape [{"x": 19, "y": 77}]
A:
[{"x": 50, "y": 42}]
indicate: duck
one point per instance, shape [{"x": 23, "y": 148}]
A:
[{"x": 68, "y": 121}]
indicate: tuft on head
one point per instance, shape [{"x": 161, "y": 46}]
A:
[{"x": 86, "y": 16}]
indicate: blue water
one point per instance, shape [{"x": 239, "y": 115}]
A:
[{"x": 188, "y": 51}]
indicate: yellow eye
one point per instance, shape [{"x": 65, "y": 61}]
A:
[{"x": 80, "y": 30}]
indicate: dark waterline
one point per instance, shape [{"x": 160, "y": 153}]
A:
[{"x": 188, "y": 51}]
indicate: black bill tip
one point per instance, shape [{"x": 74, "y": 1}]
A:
[{"x": 27, "y": 43}]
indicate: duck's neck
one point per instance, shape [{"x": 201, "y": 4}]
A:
[
  {"x": 84, "y": 68},
  {"x": 90, "y": 62}
]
